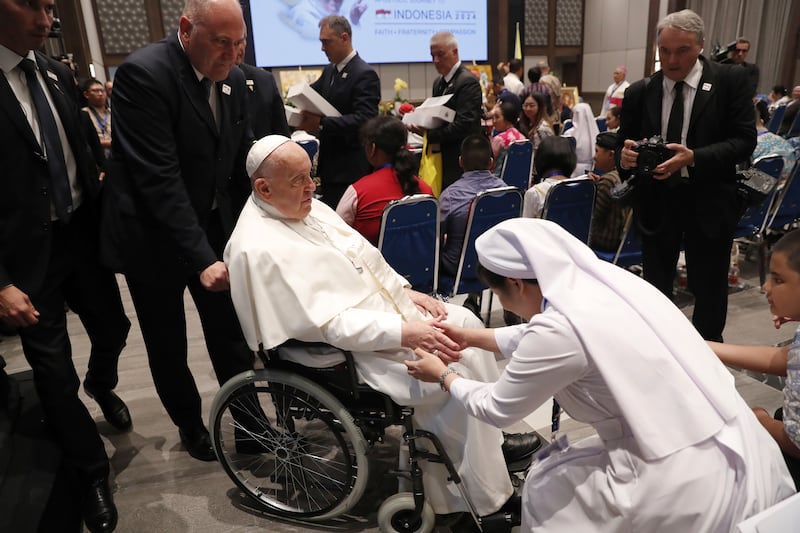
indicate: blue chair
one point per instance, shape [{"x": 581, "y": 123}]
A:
[
  {"x": 570, "y": 204},
  {"x": 567, "y": 125},
  {"x": 517, "y": 164},
  {"x": 629, "y": 251},
  {"x": 490, "y": 207},
  {"x": 409, "y": 239},
  {"x": 794, "y": 129},
  {"x": 311, "y": 146},
  {"x": 787, "y": 203},
  {"x": 776, "y": 118},
  {"x": 751, "y": 226},
  {"x": 601, "y": 124}
]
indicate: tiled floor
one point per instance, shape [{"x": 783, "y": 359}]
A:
[{"x": 159, "y": 488}]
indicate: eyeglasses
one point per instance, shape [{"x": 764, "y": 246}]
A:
[
  {"x": 742, "y": 50},
  {"x": 97, "y": 91}
]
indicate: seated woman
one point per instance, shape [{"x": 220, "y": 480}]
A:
[
  {"x": 554, "y": 162},
  {"x": 584, "y": 130},
  {"x": 362, "y": 204},
  {"x": 768, "y": 143},
  {"x": 505, "y": 118},
  {"x": 533, "y": 121},
  {"x": 677, "y": 448}
]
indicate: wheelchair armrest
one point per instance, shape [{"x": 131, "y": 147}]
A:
[{"x": 272, "y": 353}]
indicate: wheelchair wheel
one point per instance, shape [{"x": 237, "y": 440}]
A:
[
  {"x": 394, "y": 513},
  {"x": 289, "y": 444}
]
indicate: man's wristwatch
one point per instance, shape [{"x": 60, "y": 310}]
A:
[{"x": 444, "y": 375}]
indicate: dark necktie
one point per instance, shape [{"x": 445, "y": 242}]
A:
[
  {"x": 54, "y": 153},
  {"x": 675, "y": 124},
  {"x": 206, "y": 83}
]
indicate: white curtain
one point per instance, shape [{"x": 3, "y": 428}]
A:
[{"x": 763, "y": 22}]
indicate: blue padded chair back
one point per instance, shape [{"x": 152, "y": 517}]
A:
[
  {"x": 601, "y": 124},
  {"x": 409, "y": 239},
  {"x": 755, "y": 217},
  {"x": 794, "y": 129},
  {"x": 776, "y": 118},
  {"x": 629, "y": 252},
  {"x": 517, "y": 164},
  {"x": 787, "y": 203},
  {"x": 310, "y": 146},
  {"x": 567, "y": 125},
  {"x": 569, "y": 204},
  {"x": 490, "y": 207}
]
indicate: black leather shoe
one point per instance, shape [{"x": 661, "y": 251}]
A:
[
  {"x": 114, "y": 409},
  {"x": 519, "y": 446},
  {"x": 99, "y": 512},
  {"x": 198, "y": 443}
]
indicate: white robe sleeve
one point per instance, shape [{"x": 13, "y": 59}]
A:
[
  {"x": 548, "y": 358},
  {"x": 363, "y": 330}
]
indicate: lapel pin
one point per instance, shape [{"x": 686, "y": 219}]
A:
[
  {"x": 344, "y": 75},
  {"x": 250, "y": 85},
  {"x": 706, "y": 86},
  {"x": 52, "y": 75},
  {"x": 226, "y": 89}
]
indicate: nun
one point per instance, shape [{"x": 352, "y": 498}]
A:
[{"x": 676, "y": 448}]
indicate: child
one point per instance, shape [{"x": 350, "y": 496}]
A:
[{"x": 783, "y": 295}]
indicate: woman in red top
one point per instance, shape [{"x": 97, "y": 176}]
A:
[{"x": 362, "y": 204}]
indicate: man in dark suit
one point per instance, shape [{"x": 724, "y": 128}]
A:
[
  {"x": 738, "y": 56},
  {"x": 351, "y": 86},
  {"x": 177, "y": 183},
  {"x": 48, "y": 250},
  {"x": 267, "y": 114},
  {"x": 454, "y": 78},
  {"x": 704, "y": 111}
]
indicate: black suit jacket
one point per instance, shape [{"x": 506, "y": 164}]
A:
[
  {"x": 721, "y": 133},
  {"x": 355, "y": 93},
  {"x": 170, "y": 164},
  {"x": 25, "y": 228},
  {"x": 267, "y": 115},
  {"x": 466, "y": 101}
]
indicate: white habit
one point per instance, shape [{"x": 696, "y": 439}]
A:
[
  {"x": 319, "y": 280},
  {"x": 677, "y": 449}
]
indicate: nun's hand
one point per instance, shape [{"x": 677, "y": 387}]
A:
[
  {"x": 428, "y": 335},
  {"x": 427, "y": 367},
  {"x": 457, "y": 334}
]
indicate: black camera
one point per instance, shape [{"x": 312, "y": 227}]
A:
[{"x": 652, "y": 152}]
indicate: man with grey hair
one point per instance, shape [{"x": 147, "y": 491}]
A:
[
  {"x": 704, "y": 113},
  {"x": 175, "y": 188},
  {"x": 358, "y": 303},
  {"x": 350, "y": 85},
  {"x": 454, "y": 78}
]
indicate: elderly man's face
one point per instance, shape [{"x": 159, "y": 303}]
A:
[
  {"x": 619, "y": 75},
  {"x": 679, "y": 51},
  {"x": 213, "y": 42},
  {"x": 443, "y": 58},
  {"x": 289, "y": 187}
]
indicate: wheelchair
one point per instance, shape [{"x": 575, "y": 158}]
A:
[{"x": 296, "y": 440}]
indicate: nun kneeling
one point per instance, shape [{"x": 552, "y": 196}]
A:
[{"x": 677, "y": 449}]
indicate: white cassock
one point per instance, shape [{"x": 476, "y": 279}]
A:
[
  {"x": 677, "y": 448},
  {"x": 319, "y": 280}
]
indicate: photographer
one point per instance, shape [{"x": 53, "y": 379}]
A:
[{"x": 689, "y": 198}]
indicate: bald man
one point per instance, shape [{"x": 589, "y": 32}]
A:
[{"x": 180, "y": 140}]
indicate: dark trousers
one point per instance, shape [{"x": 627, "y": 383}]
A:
[
  {"x": 158, "y": 298},
  {"x": 75, "y": 276},
  {"x": 672, "y": 216}
]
